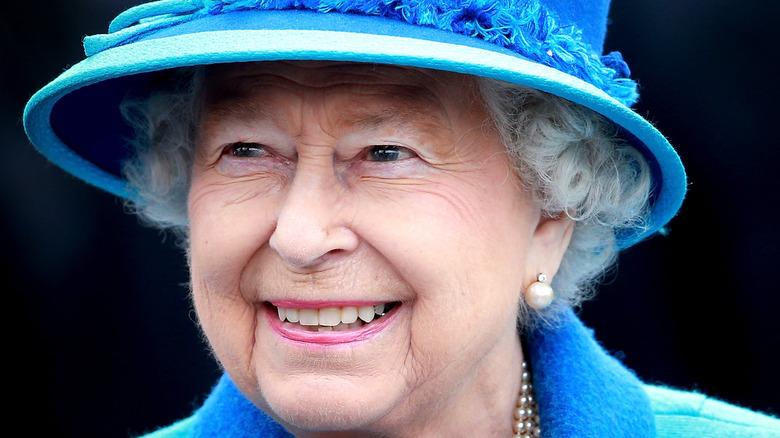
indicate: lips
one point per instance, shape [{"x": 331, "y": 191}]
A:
[{"x": 334, "y": 318}]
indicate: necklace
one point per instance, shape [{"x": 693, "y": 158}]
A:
[{"x": 526, "y": 419}]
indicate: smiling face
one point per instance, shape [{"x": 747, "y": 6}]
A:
[{"x": 321, "y": 191}]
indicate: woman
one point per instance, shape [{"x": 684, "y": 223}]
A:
[{"x": 378, "y": 200}]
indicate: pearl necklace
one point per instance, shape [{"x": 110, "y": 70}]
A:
[{"x": 526, "y": 419}]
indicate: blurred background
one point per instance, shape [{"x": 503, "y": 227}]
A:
[{"x": 101, "y": 338}]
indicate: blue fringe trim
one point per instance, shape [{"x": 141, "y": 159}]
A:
[{"x": 522, "y": 26}]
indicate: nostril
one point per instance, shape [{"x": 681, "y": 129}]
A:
[{"x": 303, "y": 246}]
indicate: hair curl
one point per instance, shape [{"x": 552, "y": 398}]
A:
[
  {"x": 574, "y": 162},
  {"x": 570, "y": 158}
]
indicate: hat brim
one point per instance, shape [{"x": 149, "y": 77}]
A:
[{"x": 75, "y": 120}]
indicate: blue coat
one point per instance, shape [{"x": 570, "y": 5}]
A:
[{"x": 581, "y": 392}]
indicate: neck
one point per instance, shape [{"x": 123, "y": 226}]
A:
[{"x": 483, "y": 405}]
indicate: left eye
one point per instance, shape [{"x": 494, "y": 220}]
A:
[
  {"x": 388, "y": 153},
  {"x": 246, "y": 150}
]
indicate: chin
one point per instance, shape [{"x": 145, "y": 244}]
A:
[{"x": 326, "y": 410}]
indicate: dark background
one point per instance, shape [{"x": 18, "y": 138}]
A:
[{"x": 99, "y": 329}]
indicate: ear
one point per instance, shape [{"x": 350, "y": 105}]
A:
[{"x": 549, "y": 242}]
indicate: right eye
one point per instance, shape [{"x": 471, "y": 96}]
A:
[{"x": 246, "y": 150}]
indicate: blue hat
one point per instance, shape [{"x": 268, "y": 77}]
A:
[{"x": 551, "y": 45}]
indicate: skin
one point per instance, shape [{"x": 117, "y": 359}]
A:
[{"x": 289, "y": 201}]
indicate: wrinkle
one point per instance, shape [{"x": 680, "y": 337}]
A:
[{"x": 240, "y": 189}]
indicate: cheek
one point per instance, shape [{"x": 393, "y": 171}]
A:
[
  {"x": 470, "y": 243},
  {"x": 475, "y": 227},
  {"x": 228, "y": 223},
  {"x": 223, "y": 238},
  {"x": 229, "y": 326}
]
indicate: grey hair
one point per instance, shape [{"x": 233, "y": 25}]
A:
[
  {"x": 575, "y": 163},
  {"x": 165, "y": 130},
  {"x": 570, "y": 158}
]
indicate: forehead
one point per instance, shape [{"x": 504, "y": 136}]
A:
[
  {"x": 378, "y": 89},
  {"x": 318, "y": 74}
]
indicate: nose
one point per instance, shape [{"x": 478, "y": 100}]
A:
[{"x": 312, "y": 225}]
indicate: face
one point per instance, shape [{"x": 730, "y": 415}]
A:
[{"x": 359, "y": 242}]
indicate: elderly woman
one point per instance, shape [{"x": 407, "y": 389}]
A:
[{"x": 389, "y": 208}]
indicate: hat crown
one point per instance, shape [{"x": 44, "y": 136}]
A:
[
  {"x": 566, "y": 35},
  {"x": 586, "y": 17},
  {"x": 590, "y": 16}
]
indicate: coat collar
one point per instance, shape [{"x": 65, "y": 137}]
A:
[{"x": 581, "y": 392}]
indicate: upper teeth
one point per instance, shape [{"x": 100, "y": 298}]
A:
[{"x": 331, "y": 316}]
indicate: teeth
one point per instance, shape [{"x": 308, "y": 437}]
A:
[
  {"x": 293, "y": 315},
  {"x": 366, "y": 313},
  {"x": 349, "y": 315},
  {"x": 309, "y": 317},
  {"x": 332, "y": 318}
]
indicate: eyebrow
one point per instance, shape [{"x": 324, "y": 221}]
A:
[
  {"x": 240, "y": 107},
  {"x": 391, "y": 115}
]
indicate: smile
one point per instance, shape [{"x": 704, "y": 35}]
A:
[
  {"x": 333, "y": 318},
  {"x": 330, "y": 324}
]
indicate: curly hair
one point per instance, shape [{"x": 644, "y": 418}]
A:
[
  {"x": 570, "y": 158},
  {"x": 574, "y": 162}
]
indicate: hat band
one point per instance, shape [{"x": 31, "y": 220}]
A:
[{"x": 523, "y": 27}]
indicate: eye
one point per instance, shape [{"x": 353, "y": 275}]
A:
[
  {"x": 384, "y": 153},
  {"x": 246, "y": 150}
]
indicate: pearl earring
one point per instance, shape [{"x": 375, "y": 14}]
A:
[{"x": 539, "y": 294}]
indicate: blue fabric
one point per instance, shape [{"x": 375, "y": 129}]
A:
[
  {"x": 681, "y": 414},
  {"x": 582, "y": 391},
  {"x": 564, "y": 35}
]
